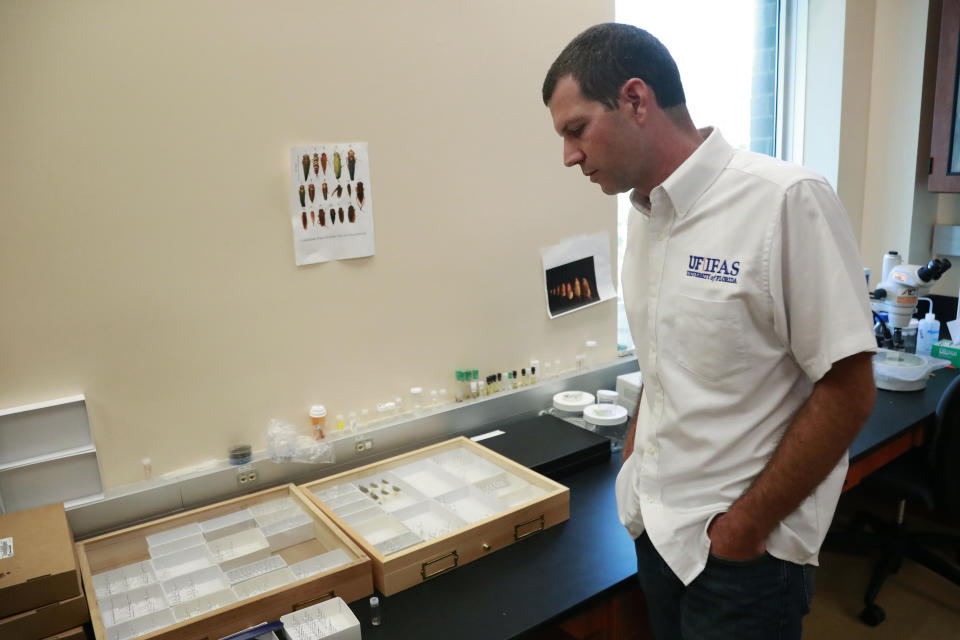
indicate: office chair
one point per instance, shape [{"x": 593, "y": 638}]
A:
[{"x": 928, "y": 476}]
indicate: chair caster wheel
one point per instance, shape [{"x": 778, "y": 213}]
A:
[{"x": 873, "y": 615}]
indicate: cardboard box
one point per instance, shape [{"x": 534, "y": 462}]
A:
[
  {"x": 37, "y": 561},
  {"x": 946, "y": 350},
  {"x": 76, "y": 633},
  {"x": 46, "y": 621}
]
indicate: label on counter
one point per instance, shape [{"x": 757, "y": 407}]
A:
[
  {"x": 488, "y": 434},
  {"x": 6, "y": 548}
]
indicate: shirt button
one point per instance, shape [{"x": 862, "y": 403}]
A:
[
  {"x": 650, "y": 499},
  {"x": 651, "y": 450},
  {"x": 660, "y": 236}
]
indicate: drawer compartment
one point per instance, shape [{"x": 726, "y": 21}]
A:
[{"x": 423, "y": 513}]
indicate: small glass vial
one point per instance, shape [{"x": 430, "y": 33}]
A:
[
  {"x": 499, "y": 384},
  {"x": 443, "y": 396},
  {"x": 524, "y": 379},
  {"x": 546, "y": 371},
  {"x": 516, "y": 382},
  {"x": 474, "y": 389},
  {"x": 434, "y": 398},
  {"x": 580, "y": 358},
  {"x": 398, "y": 402},
  {"x": 590, "y": 350},
  {"x": 340, "y": 422},
  {"x": 352, "y": 421},
  {"x": 375, "y": 611},
  {"x": 364, "y": 417},
  {"x": 416, "y": 399},
  {"x": 606, "y": 396},
  {"x": 533, "y": 375},
  {"x": 458, "y": 390},
  {"x": 481, "y": 388}
]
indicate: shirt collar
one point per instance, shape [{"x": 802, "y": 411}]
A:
[{"x": 688, "y": 182}]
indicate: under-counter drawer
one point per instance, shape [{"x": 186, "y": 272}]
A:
[
  {"x": 423, "y": 513},
  {"x": 210, "y": 572}
]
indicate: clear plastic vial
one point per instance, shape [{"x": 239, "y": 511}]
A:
[
  {"x": 416, "y": 399},
  {"x": 375, "y": 611},
  {"x": 590, "y": 349}
]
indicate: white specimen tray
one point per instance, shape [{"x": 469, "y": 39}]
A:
[{"x": 329, "y": 620}]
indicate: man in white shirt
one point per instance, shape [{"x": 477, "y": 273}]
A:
[{"x": 747, "y": 303}]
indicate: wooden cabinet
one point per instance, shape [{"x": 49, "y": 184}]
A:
[
  {"x": 210, "y": 572},
  {"x": 945, "y": 139},
  {"x": 424, "y": 513}
]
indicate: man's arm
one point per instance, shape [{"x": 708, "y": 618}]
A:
[
  {"x": 820, "y": 434},
  {"x": 632, "y": 431}
]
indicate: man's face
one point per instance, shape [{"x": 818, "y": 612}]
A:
[{"x": 603, "y": 142}]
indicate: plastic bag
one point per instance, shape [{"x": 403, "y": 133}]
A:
[{"x": 285, "y": 443}]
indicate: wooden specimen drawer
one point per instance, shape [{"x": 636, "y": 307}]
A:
[
  {"x": 213, "y": 571},
  {"x": 426, "y": 512}
]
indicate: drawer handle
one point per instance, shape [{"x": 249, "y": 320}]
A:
[
  {"x": 423, "y": 568},
  {"x": 307, "y": 603},
  {"x": 516, "y": 528}
]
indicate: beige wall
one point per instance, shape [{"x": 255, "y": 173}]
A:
[
  {"x": 898, "y": 71},
  {"x": 146, "y": 257}
]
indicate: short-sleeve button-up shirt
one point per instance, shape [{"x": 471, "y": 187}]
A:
[{"x": 743, "y": 284}]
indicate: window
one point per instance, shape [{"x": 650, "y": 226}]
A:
[{"x": 727, "y": 56}]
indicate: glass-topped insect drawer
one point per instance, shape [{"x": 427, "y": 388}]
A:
[
  {"x": 217, "y": 570},
  {"x": 426, "y": 512}
]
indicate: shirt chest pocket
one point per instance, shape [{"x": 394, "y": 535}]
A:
[{"x": 705, "y": 337}]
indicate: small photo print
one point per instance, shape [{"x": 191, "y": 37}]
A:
[{"x": 571, "y": 285}]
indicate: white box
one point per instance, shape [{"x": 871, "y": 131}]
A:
[
  {"x": 170, "y": 535},
  {"x": 287, "y": 533},
  {"x": 182, "y": 562},
  {"x": 197, "y": 584},
  {"x": 141, "y": 626},
  {"x": 629, "y": 386},
  {"x": 133, "y": 604},
  {"x": 333, "y": 619},
  {"x": 254, "y": 569},
  {"x": 319, "y": 564},
  {"x": 192, "y": 540},
  {"x": 239, "y": 549},
  {"x": 229, "y": 524},
  {"x": 263, "y": 583},
  {"x": 123, "y": 579}
]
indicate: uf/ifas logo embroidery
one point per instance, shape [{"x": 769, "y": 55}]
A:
[{"x": 713, "y": 269}]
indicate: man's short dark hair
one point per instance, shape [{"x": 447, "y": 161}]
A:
[{"x": 605, "y": 56}]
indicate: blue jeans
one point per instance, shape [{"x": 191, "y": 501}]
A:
[{"x": 764, "y": 598}]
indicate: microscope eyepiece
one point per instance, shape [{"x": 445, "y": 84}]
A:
[{"x": 934, "y": 269}]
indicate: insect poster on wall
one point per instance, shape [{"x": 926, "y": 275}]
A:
[
  {"x": 577, "y": 273},
  {"x": 331, "y": 202}
]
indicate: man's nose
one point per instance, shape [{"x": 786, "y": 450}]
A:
[{"x": 572, "y": 156}]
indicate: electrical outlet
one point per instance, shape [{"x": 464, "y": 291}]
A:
[
  {"x": 362, "y": 444},
  {"x": 246, "y": 475}
]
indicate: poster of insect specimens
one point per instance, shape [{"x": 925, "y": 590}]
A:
[
  {"x": 331, "y": 202},
  {"x": 576, "y": 273}
]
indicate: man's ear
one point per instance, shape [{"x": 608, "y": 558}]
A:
[{"x": 636, "y": 94}]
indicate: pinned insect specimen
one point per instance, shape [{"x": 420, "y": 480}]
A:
[
  {"x": 333, "y": 216},
  {"x": 316, "y": 164},
  {"x": 586, "y": 289},
  {"x": 349, "y": 189},
  {"x": 576, "y": 287},
  {"x": 306, "y": 166},
  {"x": 323, "y": 217},
  {"x": 312, "y": 191},
  {"x": 338, "y": 190},
  {"x": 304, "y": 217},
  {"x": 351, "y": 162},
  {"x": 340, "y": 212},
  {"x": 312, "y": 219},
  {"x": 360, "y": 194},
  {"x": 337, "y": 167},
  {"x": 323, "y": 188},
  {"x": 569, "y": 292},
  {"x": 351, "y": 214},
  {"x": 303, "y": 201}
]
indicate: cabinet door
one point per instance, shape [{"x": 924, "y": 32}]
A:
[{"x": 945, "y": 141}]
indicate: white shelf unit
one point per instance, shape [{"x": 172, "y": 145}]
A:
[{"x": 47, "y": 455}]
